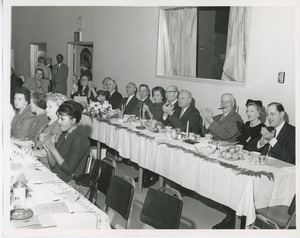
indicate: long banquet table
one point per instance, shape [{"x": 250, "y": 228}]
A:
[
  {"x": 235, "y": 184},
  {"x": 60, "y": 206}
]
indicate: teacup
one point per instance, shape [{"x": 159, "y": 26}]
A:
[
  {"x": 125, "y": 118},
  {"x": 208, "y": 136},
  {"x": 239, "y": 148},
  {"x": 255, "y": 154}
]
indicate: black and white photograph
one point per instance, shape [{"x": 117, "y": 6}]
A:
[{"x": 150, "y": 118}]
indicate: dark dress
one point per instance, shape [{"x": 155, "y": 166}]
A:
[
  {"x": 75, "y": 150},
  {"x": 251, "y": 135},
  {"x": 157, "y": 111}
]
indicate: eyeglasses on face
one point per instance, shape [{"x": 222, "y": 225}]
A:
[{"x": 171, "y": 91}]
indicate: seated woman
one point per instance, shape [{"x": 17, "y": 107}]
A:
[
  {"x": 38, "y": 105},
  {"x": 51, "y": 129},
  {"x": 156, "y": 112},
  {"x": 23, "y": 118},
  {"x": 101, "y": 96},
  {"x": 251, "y": 130},
  {"x": 86, "y": 88},
  {"x": 68, "y": 156}
]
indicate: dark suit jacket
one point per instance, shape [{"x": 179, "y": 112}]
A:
[
  {"x": 59, "y": 78},
  {"x": 132, "y": 107},
  {"x": 149, "y": 103},
  {"x": 115, "y": 99},
  {"x": 225, "y": 129},
  {"x": 166, "y": 122},
  {"x": 191, "y": 114},
  {"x": 284, "y": 149}
]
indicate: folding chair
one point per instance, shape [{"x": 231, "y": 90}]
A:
[
  {"x": 277, "y": 217},
  {"x": 162, "y": 208},
  {"x": 119, "y": 196}
]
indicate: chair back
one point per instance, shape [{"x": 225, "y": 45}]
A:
[
  {"x": 107, "y": 170},
  {"x": 82, "y": 164},
  {"x": 292, "y": 207},
  {"x": 119, "y": 196},
  {"x": 161, "y": 209}
]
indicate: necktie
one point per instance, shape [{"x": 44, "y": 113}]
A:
[
  {"x": 181, "y": 113},
  {"x": 270, "y": 147}
]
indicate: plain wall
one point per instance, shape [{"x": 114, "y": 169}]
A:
[{"x": 125, "y": 44}]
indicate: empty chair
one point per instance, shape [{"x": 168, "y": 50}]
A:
[
  {"x": 107, "y": 170},
  {"x": 278, "y": 217},
  {"x": 162, "y": 208},
  {"x": 119, "y": 196}
]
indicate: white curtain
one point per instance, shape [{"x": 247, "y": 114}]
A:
[
  {"x": 234, "y": 68},
  {"x": 177, "y": 44}
]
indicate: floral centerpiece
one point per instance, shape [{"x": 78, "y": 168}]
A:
[{"x": 102, "y": 111}]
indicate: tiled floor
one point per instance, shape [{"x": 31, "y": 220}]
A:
[{"x": 200, "y": 213}]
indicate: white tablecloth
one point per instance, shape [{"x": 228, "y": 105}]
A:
[
  {"x": 242, "y": 193},
  {"x": 47, "y": 188}
]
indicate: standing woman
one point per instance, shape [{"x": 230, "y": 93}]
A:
[
  {"x": 68, "y": 156},
  {"x": 23, "y": 118},
  {"x": 156, "y": 112},
  {"x": 51, "y": 129},
  {"x": 251, "y": 129}
]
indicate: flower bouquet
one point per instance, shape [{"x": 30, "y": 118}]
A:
[{"x": 102, "y": 111}]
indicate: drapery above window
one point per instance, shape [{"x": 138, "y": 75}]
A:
[{"x": 177, "y": 43}]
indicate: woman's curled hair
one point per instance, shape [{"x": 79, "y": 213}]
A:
[{"x": 72, "y": 109}]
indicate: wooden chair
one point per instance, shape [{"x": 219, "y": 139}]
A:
[
  {"x": 277, "y": 217},
  {"x": 119, "y": 196},
  {"x": 162, "y": 208}
]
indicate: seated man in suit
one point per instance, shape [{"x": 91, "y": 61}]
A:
[
  {"x": 279, "y": 143},
  {"x": 130, "y": 104},
  {"x": 144, "y": 93},
  {"x": 187, "y": 113},
  {"x": 223, "y": 127},
  {"x": 114, "y": 97},
  {"x": 172, "y": 103}
]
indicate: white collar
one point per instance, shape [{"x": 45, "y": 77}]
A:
[
  {"x": 144, "y": 99},
  {"x": 129, "y": 97},
  {"x": 112, "y": 92},
  {"x": 174, "y": 102}
]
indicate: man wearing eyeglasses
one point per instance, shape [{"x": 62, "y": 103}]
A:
[{"x": 171, "y": 104}]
